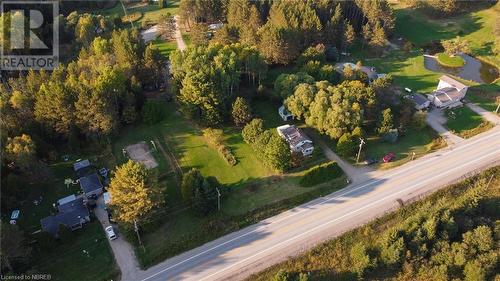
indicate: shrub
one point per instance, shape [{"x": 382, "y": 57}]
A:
[
  {"x": 252, "y": 130},
  {"x": 152, "y": 112},
  {"x": 320, "y": 174},
  {"x": 346, "y": 145},
  {"x": 215, "y": 137}
]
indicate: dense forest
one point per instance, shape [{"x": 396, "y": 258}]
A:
[{"x": 452, "y": 235}]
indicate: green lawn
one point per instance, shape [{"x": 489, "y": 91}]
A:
[
  {"x": 165, "y": 47},
  {"x": 485, "y": 95},
  {"x": 475, "y": 27},
  {"x": 65, "y": 260},
  {"x": 150, "y": 12},
  {"x": 449, "y": 61},
  {"x": 255, "y": 192},
  {"x": 465, "y": 122},
  {"x": 415, "y": 141}
]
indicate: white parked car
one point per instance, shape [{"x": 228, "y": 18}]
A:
[{"x": 111, "y": 233}]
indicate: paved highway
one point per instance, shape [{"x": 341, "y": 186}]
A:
[{"x": 239, "y": 254}]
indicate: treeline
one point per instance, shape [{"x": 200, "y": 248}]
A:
[
  {"x": 283, "y": 29},
  {"x": 453, "y": 235},
  {"x": 446, "y": 7},
  {"x": 209, "y": 78}
]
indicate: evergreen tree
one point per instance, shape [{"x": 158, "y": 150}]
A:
[
  {"x": 253, "y": 130},
  {"x": 241, "y": 112}
]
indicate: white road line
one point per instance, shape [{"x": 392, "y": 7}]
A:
[
  {"x": 325, "y": 200},
  {"x": 346, "y": 215}
]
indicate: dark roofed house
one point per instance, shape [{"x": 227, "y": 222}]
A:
[
  {"x": 420, "y": 101},
  {"x": 91, "y": 185},
  {"x": 71, "y": 214}
]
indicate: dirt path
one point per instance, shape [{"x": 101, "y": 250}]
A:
[
  {"x": 488, "y": 115},
  {"x": 355, "y": 174},
  {"x": 181, "y": 45},
  {"x": 122, "y": 250},
  {"x": 436, "y": 121}
]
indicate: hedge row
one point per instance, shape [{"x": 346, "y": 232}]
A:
[
  {"x": 215, "y": 137},
  {"x": 321, "y": 174}
]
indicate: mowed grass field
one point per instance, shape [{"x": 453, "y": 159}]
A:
[
  {"x": 150, "y": 12},
  {"x": 255, "y": 191},
  {"x": 465, "y": 122}
]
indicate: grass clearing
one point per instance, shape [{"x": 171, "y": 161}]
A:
[
  {"x": 476, "y": 27},
  {"x": 485, "y": 95},
  {"x": 255, "y": 192},
  {"x": 165, "y": 47},
  {"x": 149, "y": 12},
  {"x": 415, "y": 141},
  {"x": 466, "y": 123},
  {"x": 450, "y": 61}
]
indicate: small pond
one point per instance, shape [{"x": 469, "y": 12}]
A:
[{"x": 474, "y": 69}]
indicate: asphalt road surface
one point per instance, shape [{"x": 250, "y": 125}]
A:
[{"x": 239, "y": 254}]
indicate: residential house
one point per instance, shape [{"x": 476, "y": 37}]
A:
[
  {"x": 298, "y": 141},
  {"x": 284, "y": 113},
  {"x": 419, "y": 100},
  {"x": 91, "y": 185},
  {"x": 449, "y": 93},
  {"x": 72, "y": 213},
  {"x": 370, "y": 71}
]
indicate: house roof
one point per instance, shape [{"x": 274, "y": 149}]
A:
[
  {"x": 454, "y": 83},
  {"x": 90, "y": 183},
  {"x": 293, "y": 135},
  {"x": 447, "y": 94},
  {"x": 81, "y": 164},
  {"x": 70, "y": 214},
  {"x": 66, "y": 199},
  {"x": 418, "y": 99}
]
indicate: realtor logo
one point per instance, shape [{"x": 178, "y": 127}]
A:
[{"x": 29, "y": 35}]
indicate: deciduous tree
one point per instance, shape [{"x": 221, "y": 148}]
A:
[{"x": 135, "y": 192}]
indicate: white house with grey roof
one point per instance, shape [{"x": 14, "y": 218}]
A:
[
  {"x": 449, "y": 93},
  {"x": 71, "y": 213},
  {"x": 298, "y": 141}
]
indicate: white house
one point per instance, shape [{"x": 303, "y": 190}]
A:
[
  {"x": 449, "y": 93},
  {"x": 285, "y": 114},
  {"x": 297, "y": 140}
]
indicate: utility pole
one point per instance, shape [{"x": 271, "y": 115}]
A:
[
  {"x": 362, "y": 141},
  {"x": 412, "y": 156},
  {"x": 136, "y": 228},
  {"x": 218, "y": 198}
]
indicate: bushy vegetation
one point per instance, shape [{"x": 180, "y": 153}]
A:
[
  {"x": 215, "y": 137},
  {"x": 320, "y": 174},
  {"x": 152, "y": 112},
  {"x": 273, "y": 150},
  {"x": 454, "y": 234}
]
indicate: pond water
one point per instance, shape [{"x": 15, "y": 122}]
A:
[{"x": 474, "y": 69}]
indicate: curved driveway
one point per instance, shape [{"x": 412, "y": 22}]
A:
[{"x": 239, "y": 254}]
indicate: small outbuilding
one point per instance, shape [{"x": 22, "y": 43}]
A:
[{"x": 284, "y": 113}]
